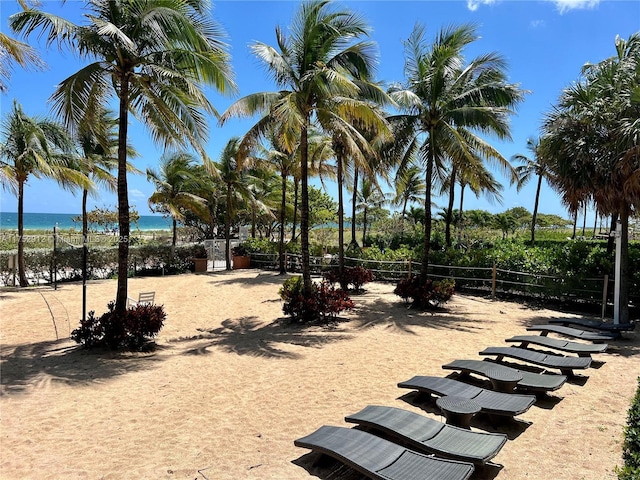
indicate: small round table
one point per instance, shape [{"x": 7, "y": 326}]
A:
[
  {"x": 458, "y": 410},
  {"x": 504, "y": 380}
]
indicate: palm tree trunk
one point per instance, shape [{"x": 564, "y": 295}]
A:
[
  {"x": 22, "y": 275},
  {"x": 461, "y": 221},
  {"x": 85, "y": 252},
  {"x": 427, "y": 210},
  {"x": 584, "y": 220},
  {"x": 535, "y": 210},
  {"x": 354, "y": 201},
  {"x": 575, "y": 224},
  {"x": 339, "y": 179},
  {"x": 283, "y": 206},
  {"x": 295, "y": 209},
  {"x": 364, "y": 229},
  {"x": 174, "y": 236},
  {"x": 304, "y": 209},
  {"x": 452, "y": 191},
  {"x": 123, "y": 198}
]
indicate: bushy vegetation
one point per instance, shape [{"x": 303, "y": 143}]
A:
[
  {"x": 324, "y": 304},
  {"x": 425, "y": 295},
  {"x": 133, "y": 331},
  {"x": 631, "y": 446},
  {"x": 356, "y": 276}
]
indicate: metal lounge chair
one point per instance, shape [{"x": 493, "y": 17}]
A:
[
  {"x": 574, "y": 333},
  {"x": 496, "y": 403},
  {"x": 565, "y": 364},
  {"x": 582, "y": 349},
  {"x": 427, "y": 435},
  {"x": 534, "y": 382},
  {"x": 594, "y": 324},
  {"x": 381, "y": 459}
]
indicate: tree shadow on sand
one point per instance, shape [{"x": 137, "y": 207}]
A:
[
  {"x": 39, "y": 364},
  {"x": 400, "y": 317},
  {"x": 250, "y": 336}
]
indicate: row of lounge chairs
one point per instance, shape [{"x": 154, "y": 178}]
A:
[{"x": 430, "y": 449}]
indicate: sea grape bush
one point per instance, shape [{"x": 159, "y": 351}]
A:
[
  {"x": 132, "y": 331},
  {"x": 356, "y": 276},
  {"x": 631, "y": 445},
  {"x": 429, "y": 294},
  {"x": 323, "y": 304}
]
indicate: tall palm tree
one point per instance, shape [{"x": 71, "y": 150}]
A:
[
  {"x": 314, "y": 68},
  {"x": 153, "y": 56},
  {"x": 533, "y": 165},
  {"x": 592, "y": 146},
  {"x": 445, "y": 101},
  {"x": 410, "y": 187},
  {"x": 175, "y": 183},
  {"x": 34, "y": 147},
  {"x": 236, "y": 187}
]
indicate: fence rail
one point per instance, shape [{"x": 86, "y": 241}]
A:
[{"x": 475, "y": 279}]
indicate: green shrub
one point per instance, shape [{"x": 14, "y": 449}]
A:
[
  {"x": 356, "y": 276},
  {"x": 138, "y": 326},
  {"x": 427, "y": 294},
  {"x": 323, "y": 304},
  {"x": 631, "y": 446}
]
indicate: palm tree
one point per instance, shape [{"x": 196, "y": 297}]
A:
[
  {"x": 531, "y": 166},
  {"x": 592, "y": 147},
  {"x": 236, "y": 187},
  {"x": 34, "y": 147},
  {"x": 410, "y": 187},
  {"x": 175, "y": 183},
  {"x": 314, "y": 69},
  {"x": 153, "y": 55},
  {"x": 444, "y": 101},
  {"x": 369, "y": 197}
]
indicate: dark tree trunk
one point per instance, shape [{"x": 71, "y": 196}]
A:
[
  {"x": 295, "y": 210},
  {"x": 624, "y": 265},
  {"x": 612, "y": 228},
  {"x": 283, "y": 217},
  {"x": 339, "y": 175},
  {"x": 449, "y": 217},
  {"x": 304, "y": 209},
  {"x": 364, "y": 227},
  {"x": 123, "y": 198},
  {"x": 427, "y": 210},
  {"x": 461, "y": 220},
  {"x": 227, "y": 230},
  {"x": 354, "y": 201},
  {"x": 575, "y": 224},
  {"x": 535, "y": 210},
  {"x": 85, "y": 252},
  {"x": 174, "y": 236},
  {"x": 22, "y": 274}
]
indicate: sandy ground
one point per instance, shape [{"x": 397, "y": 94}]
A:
[{"x": 230, "y": 387}]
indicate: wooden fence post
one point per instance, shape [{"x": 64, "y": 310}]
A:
[
  {"x": 409, "y": 268},
  {"x": 494, "y": 275}
]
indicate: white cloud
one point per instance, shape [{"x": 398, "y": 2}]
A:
[
  {"x": 537, "y": 24},
  {"x": 136, "y": 193},
  {"x": 473, "y": 5},
  {"x": 566, "y": 5}
]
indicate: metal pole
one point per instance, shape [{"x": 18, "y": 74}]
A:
[
  {"x": 55, "y": 267},
  {"x": 618, "y": 274},
  {"x": 604, "y": 295}
]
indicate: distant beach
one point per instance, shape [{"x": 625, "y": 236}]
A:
[{"x": 64, "y": 221}]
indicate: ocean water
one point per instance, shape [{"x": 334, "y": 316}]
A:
[{"x": 46, "y": 221}]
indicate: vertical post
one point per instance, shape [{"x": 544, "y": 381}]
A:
[
  {"x": 409, "y": 268},
  {"x": 494, "y": 276},
  {"x": 54, "y": 272},
  {"x": 605, "y": 292},
  {"x": 618, "y": 272},
  {"x": 84, "y": 275}
]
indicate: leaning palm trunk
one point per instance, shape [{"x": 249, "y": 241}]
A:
[
  {"x": 123, "y": 200},
  {"x": 535, "y": 209},
  {"x": 449, "y": 218},
  {"x": 22, "y": 275},
  {"x": 283, "y": 205}
]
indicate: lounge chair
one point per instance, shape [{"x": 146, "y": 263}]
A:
[
  {"x": 427, "y": 435},
  {"x": 381, "y": 459},
  {"x": 144, "y": 298},
  {"x": 534, "y": 382},
  {"x": 565, "y": 364},
  {"x": 594, "y": 324},
  {"x": 496, "y": 403},
  {"x": 582, "y": 349},
  {"x": 596, "y": 337}
]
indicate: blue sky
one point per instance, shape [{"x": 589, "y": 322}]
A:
[{"x": 545, "y": 43}]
